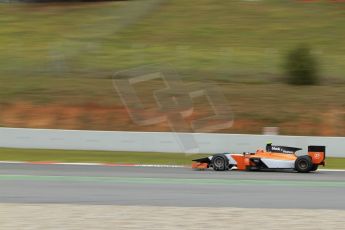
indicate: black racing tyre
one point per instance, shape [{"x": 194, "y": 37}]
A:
[
  {"x": 314, "y": 167},
  {"x": 220, "y": 162},
  {"x": 303, "y": 164}
]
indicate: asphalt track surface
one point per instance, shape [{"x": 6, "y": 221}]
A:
[{"x": 70, "y": 184}]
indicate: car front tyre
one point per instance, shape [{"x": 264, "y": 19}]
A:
[{"x": 220, "y": 162}]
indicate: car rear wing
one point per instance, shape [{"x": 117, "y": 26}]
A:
[{"x": 317, "y": 154}]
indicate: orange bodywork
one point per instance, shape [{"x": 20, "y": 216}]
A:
[
  {"x": 243, "y": 160},
  {"x": 198, "y": 165},
  {"x": 317, "y": 157},
  {"x": 274, "y": 156}
]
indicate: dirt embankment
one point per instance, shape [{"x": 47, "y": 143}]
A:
[{"x": 93, "y": 116}]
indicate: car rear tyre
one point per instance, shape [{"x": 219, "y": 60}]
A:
[
  {"x": 303, "y": 164},
  {"x": 314, "y": 168},
  {"x": 220, "y": 162}
]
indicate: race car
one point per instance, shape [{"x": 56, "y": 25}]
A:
[{"x": 274, "y": 157}]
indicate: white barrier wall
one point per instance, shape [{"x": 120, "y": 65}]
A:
[{"x": 158, "y": 141}]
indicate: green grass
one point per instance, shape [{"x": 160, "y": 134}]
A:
[
  {"x": 95, "y": 156},
  {"x": 207, "y": 38},
  {"x": 34, "y": 155},
  {"x": 67, "y": 54},
  {"x": 335, "y": 163}
]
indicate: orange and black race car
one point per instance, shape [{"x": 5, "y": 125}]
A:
[{"x": 274, "y": 157}]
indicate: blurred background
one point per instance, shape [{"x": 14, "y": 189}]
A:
[{"x": 279, "y": 63}]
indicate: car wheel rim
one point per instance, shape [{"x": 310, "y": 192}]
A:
[
  {"x": 303, "y": 165},
  {"x": 219, "y": 163}
]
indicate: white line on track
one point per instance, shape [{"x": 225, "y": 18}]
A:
[
  {"x": 332, "y": 170},
  {"x": 92, "y": 164},
  {"x": 121, "y": 165}
]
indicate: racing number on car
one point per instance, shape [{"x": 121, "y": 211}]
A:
[{"x": 317, "y": 156}]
